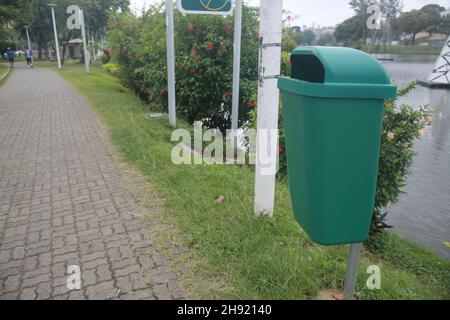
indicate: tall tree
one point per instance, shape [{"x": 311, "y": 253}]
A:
[
  {"x": 361, "y": 7},
  {"x": 390, "y": 10},
  {"x": 349, "y": 31},
  {"x": 37, "y": 15},
  {"x": 414, "y": 22}
]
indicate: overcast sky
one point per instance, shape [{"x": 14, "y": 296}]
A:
[{"x": 320, "y": 12}]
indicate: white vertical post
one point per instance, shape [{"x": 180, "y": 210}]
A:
[
  {"x": 236, "y": 65},
  {"x": 85, "y": 46},
  {"x": 171, "y": 63},
  {"x": 52, "y": 6},
  {"x": 29, "y": 42},
  {"x": 268, "y": 102}
]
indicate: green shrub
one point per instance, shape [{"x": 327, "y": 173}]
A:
[
  {"x": 204, "y": 62},
  {"x": 402, "y": 125}
]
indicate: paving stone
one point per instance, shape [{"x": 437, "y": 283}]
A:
[
  {"x": 12, "y": 283},
  {"x": 28, "y": 294},
  {"x": 64, "y": 202},
  {"x": 44, "y": 291},
  {"x": 102, "y": 291},
  {"x": 77, "y": 295}
]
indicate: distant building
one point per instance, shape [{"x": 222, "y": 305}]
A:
[
  {"x": 75, "y": 48},
  {"x": 427, "y": 39}
]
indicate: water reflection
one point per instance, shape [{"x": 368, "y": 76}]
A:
[{"x": 423, "y": 214}]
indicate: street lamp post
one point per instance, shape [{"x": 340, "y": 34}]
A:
[
  {"x": 28, "y": 40},
  {"x": 52, "y": 6},
  {"x": 85, "y": 44}
]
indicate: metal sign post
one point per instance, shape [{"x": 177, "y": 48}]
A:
[
  {"x": 171, "y": 63},
  {"x": 352, "y": 271},
  {"x": 28, "y": 41},
  {"x": 236, "y": 71},
  {"x": 268, "y": 102},
  {"x": 85, "y": 45},
  {"x": 52, "y": 6}
]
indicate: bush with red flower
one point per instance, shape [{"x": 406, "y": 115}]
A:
[{"x": 204, "y": 62}]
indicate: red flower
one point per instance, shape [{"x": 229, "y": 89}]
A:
[
  {"x": 190, "y": 26},
  {"x": 250, "y": 104},
  {"x": 192, "y": 71},
  {"x": 229, "y": 93},
  {"x": 228, "y": 27},
  {"x": 280, "y": 150},
  {"x": 209, "y": 46}
]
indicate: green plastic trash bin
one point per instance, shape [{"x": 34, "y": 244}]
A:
[{"x": 333, "y": 107}]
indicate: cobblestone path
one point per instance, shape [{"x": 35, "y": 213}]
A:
[{"x": 64, "y": 202}]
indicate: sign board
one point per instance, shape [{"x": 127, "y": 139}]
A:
[
  {"x": 218, "y": 7},
  {"x": 441, "y": 71}
]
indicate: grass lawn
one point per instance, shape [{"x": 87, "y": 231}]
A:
[
  {"x": 245, "y": 257},
  {"x": 418, "y": 50},
  {"x": 3, "y": 70}
]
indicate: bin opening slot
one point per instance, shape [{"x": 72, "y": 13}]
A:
[{"x": 307, "y": 68}]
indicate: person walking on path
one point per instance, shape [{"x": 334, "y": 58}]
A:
[
  {"x": 10, "y": 56},
  {"x": 29, "y": 57}
]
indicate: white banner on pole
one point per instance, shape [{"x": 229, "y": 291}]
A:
[{"x": 268, "y": 101}]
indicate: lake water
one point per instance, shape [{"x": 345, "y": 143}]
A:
[{"x": 423, "y": 214}]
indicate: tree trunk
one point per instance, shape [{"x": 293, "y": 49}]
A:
[
  {"x": 64, "y": 51},
  {"x": 40, "y": 49},
  {"x": 63, "y": 56},
  {"x": 364, "y": 35}
]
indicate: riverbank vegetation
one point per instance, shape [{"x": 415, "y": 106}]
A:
[{"x": 403, "y": 50}]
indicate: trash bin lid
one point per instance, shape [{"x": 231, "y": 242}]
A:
[{"x": 337, "y": 72}]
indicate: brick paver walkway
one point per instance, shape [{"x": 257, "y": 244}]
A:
[{"x": 63, "y": 201}]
